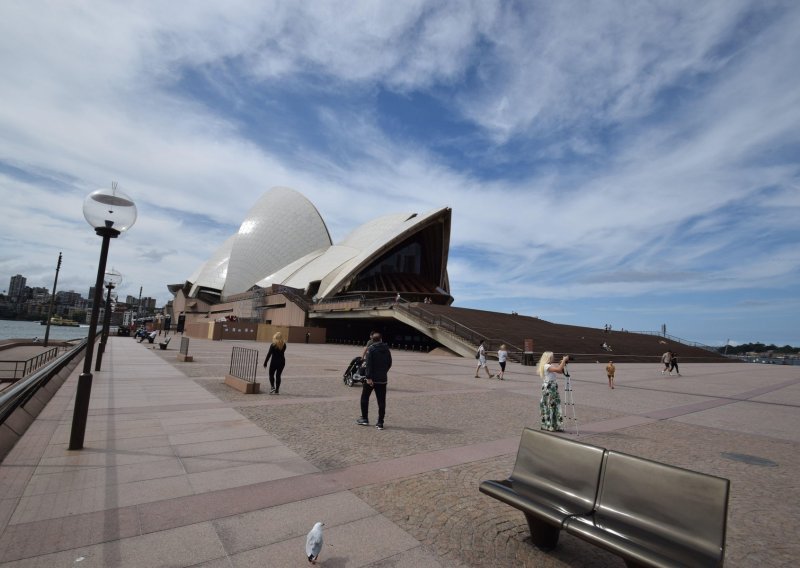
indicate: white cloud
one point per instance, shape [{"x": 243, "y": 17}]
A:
[{"x": 655, "y": 126}]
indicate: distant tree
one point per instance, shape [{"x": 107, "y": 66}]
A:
[{"x": 758, "y": 348}]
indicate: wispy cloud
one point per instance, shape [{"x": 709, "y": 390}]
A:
[{"x": 591, "y": 152}]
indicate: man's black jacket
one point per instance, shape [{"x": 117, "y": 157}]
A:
[{"x": 379, "y": 361}]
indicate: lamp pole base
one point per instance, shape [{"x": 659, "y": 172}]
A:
[{"x": 81, "y": 413}]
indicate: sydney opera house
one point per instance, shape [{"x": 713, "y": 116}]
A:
[
  {"x": 282, "y": 272},
  {"x": 282, "y": 269}
]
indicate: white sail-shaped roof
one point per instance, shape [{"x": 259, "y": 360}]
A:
[
  {"x": 388, "y": 231},
  {"x": 283, "y": 240},
  {"x": 333, "y": 266},
  {"x": 213, "y": 273},
  {"x": 281, "y": 227}
]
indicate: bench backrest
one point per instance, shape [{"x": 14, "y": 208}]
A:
[
  {"x": 564, "y": 470},
  {"x": 647, "y": 501}
]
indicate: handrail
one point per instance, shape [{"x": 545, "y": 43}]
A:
[
  {"x": 468, "y": 334},
  {"x": 19, "y": 394},
  {"x": 292, "y": 294},
  {"x": 677, "y": 340},
  {"x": 28, "y": 365},
  {"x": 339, "y": 300}
]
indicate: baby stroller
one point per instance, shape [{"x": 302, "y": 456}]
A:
[{"x": 356, "y": 372}]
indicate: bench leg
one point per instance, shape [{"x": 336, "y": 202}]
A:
[{"x": 543, "y": 535}]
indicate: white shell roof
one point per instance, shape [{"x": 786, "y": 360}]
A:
[
  {"x": 213, "y": 273},
  {"x": 285, "y": 238},
  {"x": 388, "y": 231},
  {"x": 282, "y": 227},
  {"x": 335, "y": 264}
]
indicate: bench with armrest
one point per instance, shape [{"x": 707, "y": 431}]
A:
[
  {"x": 163, "y": 344},
  {"x": 648, "y": 513},
  {"x": 654, "y": 514},
  {"x": 553, "y": 479}
]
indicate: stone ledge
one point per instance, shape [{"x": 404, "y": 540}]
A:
[
  {"x": 185, "y": 358},
  {"x": 242, "y": 385}
]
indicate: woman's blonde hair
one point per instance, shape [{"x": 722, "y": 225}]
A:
[
  {"x": 277, "y": 340},
  {"x": 547, "y": 357},
  {"x": 503, "y": 347}
]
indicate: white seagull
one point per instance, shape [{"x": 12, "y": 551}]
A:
[{"x": 314, "y": 543}]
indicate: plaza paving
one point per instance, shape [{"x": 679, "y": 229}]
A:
[{"x": 180, "y": 470}]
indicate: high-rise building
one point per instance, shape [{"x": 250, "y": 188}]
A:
[
  {"x": 16, "y": 288},
  {"x": 148, "y": 305},
  {"x": 40, "y": 294},
  {"x": 69, "y": 298}
]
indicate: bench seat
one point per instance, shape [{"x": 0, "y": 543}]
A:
[
  {"x": 654, "y": 514},
  {"x": 553, "y": 478}
]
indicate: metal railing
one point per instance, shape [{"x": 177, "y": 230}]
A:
[
  {"x": 675, "y": 339},
  {"x": 292, "y": 294},
  {"x": 461, "y": 331},
  {"x": 20, "y": 393},
  {"x": 11, "y": 371},
  {"x": 332, "y": 303},
  {"x": 244, "y": 363}
]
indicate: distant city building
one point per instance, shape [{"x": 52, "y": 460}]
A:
[
  {"x": 70, "y": 298},
  {"x": 148, "y": 305},
  {"x": 39, "y": 294},
  {"x": 16, "y": 288}
]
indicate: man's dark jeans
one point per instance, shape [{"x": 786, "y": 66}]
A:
[{"x": 380, "y": 394}]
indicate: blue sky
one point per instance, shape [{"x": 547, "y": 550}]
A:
[{"x": 628, "y": 163}]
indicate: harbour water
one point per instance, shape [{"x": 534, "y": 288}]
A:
[{"x": 12, "y": 329}]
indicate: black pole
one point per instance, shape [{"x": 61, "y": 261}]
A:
[
  {"x": 139, "y": 303},
  {"x": 81, "y": 412},
  {"x": 104, "y": 335},
  {"x": 52, "y": 300}
]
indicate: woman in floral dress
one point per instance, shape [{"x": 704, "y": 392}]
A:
[{"x": 550, "y": 403}]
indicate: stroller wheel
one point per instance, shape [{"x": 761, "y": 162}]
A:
[{"x": 348, "y": 381}]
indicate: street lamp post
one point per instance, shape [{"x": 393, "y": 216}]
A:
[
  {"x": 113, "y": 278},
  {"x": 52, "y": 301},
  {"x": 110, "y": 212}
]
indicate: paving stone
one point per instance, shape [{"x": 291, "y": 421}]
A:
[{"x": 180, "y": 470}]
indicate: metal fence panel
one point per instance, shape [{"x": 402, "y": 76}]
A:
[{"x": 244, "y": 363}]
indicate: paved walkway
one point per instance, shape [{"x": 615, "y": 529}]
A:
[{"x": 179, "y": 470}]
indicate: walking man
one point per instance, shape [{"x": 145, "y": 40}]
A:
[
  {"x": 379, "y": 361},
  {"x": 666, "y": 359},
  {"x": 610, "y": 370}
]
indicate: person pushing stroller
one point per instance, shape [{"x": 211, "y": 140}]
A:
[{"x": 379, "y": 361}]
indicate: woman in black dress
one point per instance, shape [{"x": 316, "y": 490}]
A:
[{"x": 276, "y": 353}]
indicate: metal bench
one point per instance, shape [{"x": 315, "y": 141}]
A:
[
  {"x": 654, "y": 514},
  {"x": 648, "y": 513},
  {"x": 554, "y": 478}
]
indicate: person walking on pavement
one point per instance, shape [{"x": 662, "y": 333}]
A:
[
  {"x": 502, "y": 357},
  {"x": 481, "y": 357},
  {"x": 610, "y": 370},
  {"x": 276, "y": 352},
  {"x": 665, "y": 359},
  {"x": 673, "y": 364},
  {"x": 379, "y": 361}
]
